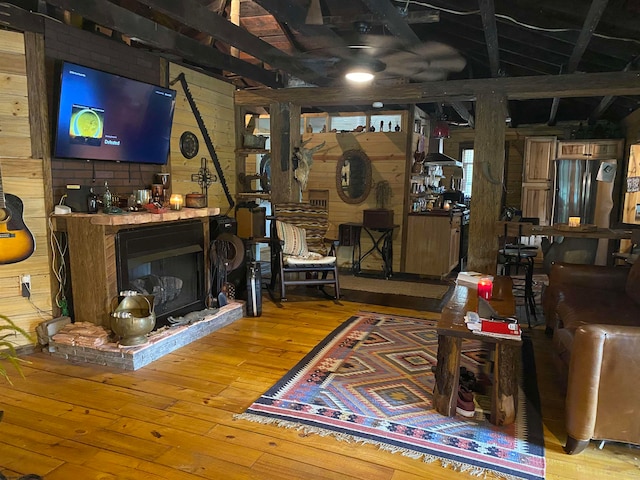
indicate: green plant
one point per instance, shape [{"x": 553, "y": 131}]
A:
[
  {"x": 7, "y": 350},
  {"x": 383, "y": 193}
]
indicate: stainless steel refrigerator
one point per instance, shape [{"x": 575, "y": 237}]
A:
[{"x": 584, "y": 188}]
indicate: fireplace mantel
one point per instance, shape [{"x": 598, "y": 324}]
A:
[
  {"x": 92, "y": 254},
  {"x": 139, "y": 218}
]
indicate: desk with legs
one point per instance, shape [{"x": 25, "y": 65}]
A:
[
  {"x": 383, "y": 244},
  {"x": 452, "y": 329}
]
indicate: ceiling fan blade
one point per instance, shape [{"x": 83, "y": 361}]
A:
[{"x": 314, "y": 14}]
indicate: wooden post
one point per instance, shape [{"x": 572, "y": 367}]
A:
[
  {"x": 285, "y": 134},
  {"x": 487, "y": 187},
  {"x": 504, "y": 392},
  {"x": 445, "y": 390}
]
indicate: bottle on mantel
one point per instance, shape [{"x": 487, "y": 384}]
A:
[
  {"x": 92, "y": 201},
  {"x": 106, "y": 198}
]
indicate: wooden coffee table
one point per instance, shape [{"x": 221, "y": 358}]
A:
[{"x": 452, "y": 329}]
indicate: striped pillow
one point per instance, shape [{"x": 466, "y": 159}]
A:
[{"x": 295, "y": 239}]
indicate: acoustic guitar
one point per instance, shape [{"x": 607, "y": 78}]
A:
[{"x": 16, "y": 241}]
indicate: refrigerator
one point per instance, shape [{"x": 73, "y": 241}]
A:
[{"x": 583, "y": 188}]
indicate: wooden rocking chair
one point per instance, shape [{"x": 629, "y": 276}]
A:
[{"x": 300, "y": 254}]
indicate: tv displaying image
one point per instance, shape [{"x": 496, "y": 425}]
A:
[{"x": 102, "y": 116}]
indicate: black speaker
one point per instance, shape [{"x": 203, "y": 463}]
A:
[{"x": 222, "y": 224}]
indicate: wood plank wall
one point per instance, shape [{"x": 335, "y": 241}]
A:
[
  {"x": 214, "y": 99},
  {"x": 631, "y": 168},
  {"x": 388, "y": 154},
  {"x": 22, "y": 175}
]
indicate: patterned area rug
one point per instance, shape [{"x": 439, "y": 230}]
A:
[{"x": 371, "y": 381}]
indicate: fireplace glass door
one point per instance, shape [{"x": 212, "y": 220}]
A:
[{"x": 165, "y": 261}]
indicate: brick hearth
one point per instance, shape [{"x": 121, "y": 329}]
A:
[{"x": 160, "y": 343}]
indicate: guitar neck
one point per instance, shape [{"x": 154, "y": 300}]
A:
[{"x": 2, "y": 199}]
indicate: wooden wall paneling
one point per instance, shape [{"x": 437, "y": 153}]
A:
[
  {"x": 388, "y": 155},
  {"x": 40, "y": 136},
  {"x": 489, "y": 158},
  {"x": 22, "y": 174},
  {"x": 632, "y": 199},
  {"x": 214, "y": 99}
]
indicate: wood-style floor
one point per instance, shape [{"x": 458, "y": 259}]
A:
[{"x": 174, "y": 418}]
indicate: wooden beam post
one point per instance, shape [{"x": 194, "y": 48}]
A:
[
  {"x": 285, "y": 135},
  {"x": 487, "y": 186}
]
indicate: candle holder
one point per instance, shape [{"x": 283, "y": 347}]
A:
[
  {"x": 176, "y": 201},
  {"x": 485, "y": 288},
  {"x": 574, "y": 221}
]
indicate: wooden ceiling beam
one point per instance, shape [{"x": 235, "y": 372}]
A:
[
  {"x": 392, "y": 19},
  {"x": 590, "y": 23},
  {"x": 464, "y": 113},
  {"x": 416, "y": 17},
  {"x": 194, "y": 15},
  {"x": 488, "y": 14},
  {"x": 122, "y": 20},
  {"x": 514, "y": 88}
]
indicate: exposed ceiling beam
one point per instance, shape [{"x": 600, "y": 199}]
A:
[
  {"x": 421, "y": 16},
  {"x": 194, "y": 15},
  {"x": 590, "y": 23},
  {"x": 15, "y": 17},
  {"x": 607, "y": 100},
  {"x": 121, "y": 20},
  {"x": 464, "y": 113},
  {"x": 293, "y": 15},
  {"x": 514, "y": 88},
  {"x": 488, "y": 14},
  {"x": 392, "y": 19}
]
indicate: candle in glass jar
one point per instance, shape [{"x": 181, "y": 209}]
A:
[
  {"x": 485, "y": 288},
  {"x": 176, "y": 201},
  {"x": 574, "y": 221}
]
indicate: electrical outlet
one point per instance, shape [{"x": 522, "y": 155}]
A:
[{"x": 25, "y": 284}]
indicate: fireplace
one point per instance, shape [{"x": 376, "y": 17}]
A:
[{"x": 166, "y": 261}]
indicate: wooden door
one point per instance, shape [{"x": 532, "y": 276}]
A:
[
  {"x": 536, "y": 202},
  {"x": 539, "y": 151}
]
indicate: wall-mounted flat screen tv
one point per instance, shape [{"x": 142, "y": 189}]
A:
[{"x": 102, "y": 116}]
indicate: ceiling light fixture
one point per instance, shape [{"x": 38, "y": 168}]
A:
[
  {"x": 377, "y": 104},
  {"x": 359, "y": 75}
]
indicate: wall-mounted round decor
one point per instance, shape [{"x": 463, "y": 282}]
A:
[{"x": 189, "y": 144}]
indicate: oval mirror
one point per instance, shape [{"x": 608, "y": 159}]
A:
[{"x": 353, "y": 176}]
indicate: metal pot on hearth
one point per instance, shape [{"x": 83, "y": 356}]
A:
[{"x": 133, "y": 318}]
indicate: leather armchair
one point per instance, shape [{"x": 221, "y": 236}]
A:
[
  {"x": 594, "y": 315},
  {"x": 602, "y": 393}
]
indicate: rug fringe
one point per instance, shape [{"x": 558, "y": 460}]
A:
[{"x": 323, "y": 432}]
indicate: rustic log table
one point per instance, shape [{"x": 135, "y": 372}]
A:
[{"x": 452, "y": 329}]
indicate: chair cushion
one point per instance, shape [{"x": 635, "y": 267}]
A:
[
  {"x": 308, "y": 260},
  {"x": 294, "y": 238},
  {"x": 315, "y": 220}
]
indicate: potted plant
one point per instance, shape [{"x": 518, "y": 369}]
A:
[{"x": 7, "y": 350}]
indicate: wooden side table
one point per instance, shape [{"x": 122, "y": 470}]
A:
[{"x": 452, "y": 330}]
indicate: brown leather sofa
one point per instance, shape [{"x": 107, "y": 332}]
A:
[{"x": 594, "y": 314}]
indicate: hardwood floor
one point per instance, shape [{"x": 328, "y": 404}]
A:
[{"x": 174, "y": 418}]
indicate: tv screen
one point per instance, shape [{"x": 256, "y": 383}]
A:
[{"x": 102, "y": 116}]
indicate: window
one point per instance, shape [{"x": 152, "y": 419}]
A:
[{"x": 466, "y": 155}]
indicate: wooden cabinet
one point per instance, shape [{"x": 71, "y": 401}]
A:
[
  {"x": 538, "y": 153},
  {"x": 537, "y": 201},
  {"x": 433, "y": 244},
  {"x": 537, "y": 178},
  {"x": 603, "y": 149}
]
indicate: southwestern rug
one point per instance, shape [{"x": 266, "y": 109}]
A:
[{"x": 371, "y": 381}]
